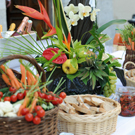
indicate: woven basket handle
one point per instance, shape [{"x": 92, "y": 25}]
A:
[
  {"x": 129, "y": 62},
  {"x": 24, "y": 57}
]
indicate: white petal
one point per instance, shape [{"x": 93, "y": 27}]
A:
[
  {"x": 80, "y": 6},
  {"x": 87, "y": 8},
  {"x": 81, "y": 15},
  {"x": 71, "y": 14}
]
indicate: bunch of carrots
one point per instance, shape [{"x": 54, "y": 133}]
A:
[
  {"x": 30, "y": 83},
  {"x": 11, "y": 80}
]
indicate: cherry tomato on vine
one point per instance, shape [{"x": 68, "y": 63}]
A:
[
  {"x": 29, "y": 117},
  {"x": 25, "y": 111},
  {"x": 55, "y": 101},
  {"x": 41, "y": 113},
  {"x": 13, "y": 98},
  {"x": 37, "y": 108},
  {"x": 48, "y": 97},
  {"x": 25, "y": 92},
  {"x": 7, "y": 99},
  {"x": 1, "y": 94},
  {"x": 37, "y": 120},
  {"x": 12, "y": 89},
  {"x": 60, "y": 100},
  {"x": 42, "y": 95},
  {"x": 62, "y": 95},
  {"x": 20, "y": 96}
]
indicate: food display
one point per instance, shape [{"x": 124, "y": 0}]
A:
[
  {"x": 86, "y": 114},
  {"x": 126, "y": 97},
  {"x": 86, "y": 105},
  {"x": 25, "y": 94}
]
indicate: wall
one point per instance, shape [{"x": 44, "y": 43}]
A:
[
  {"x": 114, "y": 9},
  {"x": 3, "y": 14}
]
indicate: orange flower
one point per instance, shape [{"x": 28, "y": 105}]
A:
[
  {"x": 42, "y": 15},
  {"x": 67, "y": 42}
]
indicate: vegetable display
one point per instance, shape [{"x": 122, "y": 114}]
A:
[{"x": 27, "y": 96}]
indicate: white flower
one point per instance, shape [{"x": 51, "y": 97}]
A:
[
  {"x": 7, "y": 107},
  {"x": 10, "y": 114},
  {"x": 93, "y": 14},
  {"x": 83, "y": 11},
  {"x": 16, "y": 108},
  {"x": 72, "y": 19},
  {"x": 72, "y": 8}
]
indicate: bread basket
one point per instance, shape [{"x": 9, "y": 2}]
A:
[
  {"x": 96, "y": 124},
  {"x": 129, "y": 75},
  {"x": 18, "y": 125}
]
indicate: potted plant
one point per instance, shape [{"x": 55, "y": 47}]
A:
[{"x": 76, "y": 51}]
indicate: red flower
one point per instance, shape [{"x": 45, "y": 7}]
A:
[{"x": 50, "y": 52}]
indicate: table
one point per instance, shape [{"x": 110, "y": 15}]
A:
[{"x": 125, "y": 125}]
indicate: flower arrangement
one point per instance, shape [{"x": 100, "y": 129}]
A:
[{"x": 76, "y": 47}]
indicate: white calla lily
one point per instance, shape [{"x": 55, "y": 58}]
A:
[
  {"x": 93, "y": 14},
  {"x": 83, "y": 11},
  {"x": 72, "y": 8},
  {"x": 72, "y": 19}
]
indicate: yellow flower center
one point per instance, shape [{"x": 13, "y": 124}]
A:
[
  {"x": 84, "y": 14},
  {"x": 73, "y": 22}
]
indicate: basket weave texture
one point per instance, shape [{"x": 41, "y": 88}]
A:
[
  {"x": 98, "y": 124},
  {"x": 18, "y": 125},
  {"x": 130, "y": 56},
  {"x": 129, "y": 81}
]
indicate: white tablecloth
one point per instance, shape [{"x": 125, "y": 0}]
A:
[{"x": 125, "y": 125}]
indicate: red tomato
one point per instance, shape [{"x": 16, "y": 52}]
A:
[
  {"x": 12, "y": 89},
  {"x": 48, "y": 97},
  {"x": 1, "y": 94},
  {"x": 55, "y": 101},
  {"x": 37, "y": 120},
  {"x": 7, "y": 99},
  {"x": 24, "y": 111},
  {"x": 60, "y": 100},
  {"x": 13, "y": 98},
  {"x": 37, "y": 108},
  {"x": 25, "y": 92},
  {"x": 62, "y": 95},
  {"x": 20, "y": 96},
  {"x": 41, "y": 113},
  {"x": 29, "y": 117},
  {"x": 42, "y": 95}
]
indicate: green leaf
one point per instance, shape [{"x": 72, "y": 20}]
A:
[
  {"x": 100, "y": 54},
  {"x": 93, "y": 81},
  {"x": 71, "y": 77},
  {"x": 74, "y": 62},
  {"x": 103, "y": 27},
  {"x": 85, "y": 75}
]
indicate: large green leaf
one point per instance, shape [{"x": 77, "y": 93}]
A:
[{"x": 103, "y": 27}]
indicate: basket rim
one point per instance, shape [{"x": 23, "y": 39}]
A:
[
  {"x": 93, "y": 117},
  {"x": 126, "y": 77}
]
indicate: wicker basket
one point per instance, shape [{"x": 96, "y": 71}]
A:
[
  {"x": 98, "y": 124},
  {"x": 18, "y": 125},
  {"x": 129, "y": 81}
]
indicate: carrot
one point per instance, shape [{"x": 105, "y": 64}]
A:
[
  {"x": 31, "y": 78},
  {"x": 6, "y": 80},
  {"x": 44, "y": 89},
  {"x": 13, "y": 84},
  {"x": 33, "y": 105},
  {"x": 3, "y": 68},
  {"x": 26, "y": 100},
  {"x": 23, "y": 71}
]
